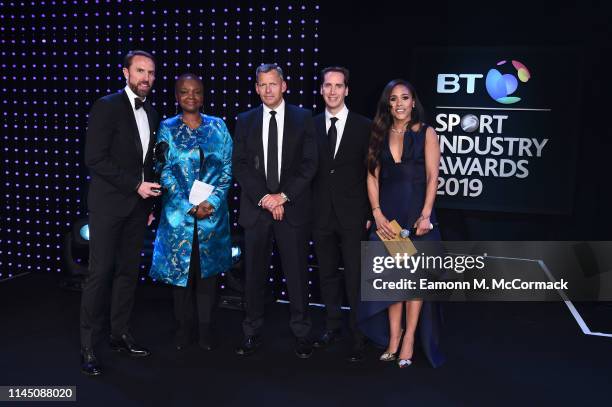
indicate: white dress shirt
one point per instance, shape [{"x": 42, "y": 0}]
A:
[
  {"x": 280, "y": 121},
  {"x": 141, "y": 121},
  {"x": 342, "y": 115}
]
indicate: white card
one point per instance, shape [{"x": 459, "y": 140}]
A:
[{"x": 200, "y": 191}]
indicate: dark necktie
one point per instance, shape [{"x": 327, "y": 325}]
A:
[
  {"x": 272, "y": 164},
  {"x": 332, "y": 134},
  {"x": 138, "y": 103}
]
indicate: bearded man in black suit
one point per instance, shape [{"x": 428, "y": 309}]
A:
[{"x": 118, "y": 153}]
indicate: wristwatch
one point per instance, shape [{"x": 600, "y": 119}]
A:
[{"x": 282, "y": 194}]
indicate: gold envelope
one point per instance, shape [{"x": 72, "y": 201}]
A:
[{"x": 398, "y": 245}]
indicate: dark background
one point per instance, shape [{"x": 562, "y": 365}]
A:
[{"x": 377, "y": 42}]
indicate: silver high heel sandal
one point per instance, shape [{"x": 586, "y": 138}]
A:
[
  {"x": 402, "y": 363},
  {"x": 391, "y": 356},
  {"x": 388, "y": 357}
]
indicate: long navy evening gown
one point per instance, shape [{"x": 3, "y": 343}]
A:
[{"x": 402, "y": 188}]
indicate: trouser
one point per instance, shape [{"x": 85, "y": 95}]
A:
[
  {"x": 292, "y": 243},
  {"x": 114, "y": 256},
  {"x": 197, "y": 299},
  {"x": 333, "y": 242}
]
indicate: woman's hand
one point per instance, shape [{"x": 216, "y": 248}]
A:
[
  {"x": 205, "y": 209},
  {"x": 382, "y": 225},
  {"x": 422, "y": 225}
]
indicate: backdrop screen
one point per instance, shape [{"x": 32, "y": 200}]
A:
[
  {"x": 506, "y": 122},
  {"x": 58, "y": 57}
]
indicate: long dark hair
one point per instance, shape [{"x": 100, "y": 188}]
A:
[{"x": 383, "y": 120}]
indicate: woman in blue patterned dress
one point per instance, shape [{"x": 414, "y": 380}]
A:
[
  {"x": 403, "y": 162},
  {"x": 193, "y": 243}
]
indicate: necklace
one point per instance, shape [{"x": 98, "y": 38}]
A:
[{"x": 402, "y": 131}]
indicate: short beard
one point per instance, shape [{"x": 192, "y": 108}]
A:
[{"x": 139, "y": 93}]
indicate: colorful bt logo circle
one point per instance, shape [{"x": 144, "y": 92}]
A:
[{"x": 501, "y": 86}]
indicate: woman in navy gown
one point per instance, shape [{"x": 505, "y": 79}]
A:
[{"x": 403, "y": 162}]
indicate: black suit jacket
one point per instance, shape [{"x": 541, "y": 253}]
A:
[
  {"x": 113, "y": 154},
  {"x": 340, "y": 183},
  {"x": 298, "y": 164}
]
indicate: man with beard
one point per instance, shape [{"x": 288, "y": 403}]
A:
[{"x": 118, "y": 153}]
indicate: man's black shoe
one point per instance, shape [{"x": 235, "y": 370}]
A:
[
  {"x": 249, "y": 345},
  {"x": 182, "y": 339},
  {"x": 327, "y": 339},
  {"x": 89, "y": 363},
  {"x": 356, "y": 355},
  {"x": 207, "y": 339},
  {"x": 125, "y": 343},
  {"x": 303, "y": 348}
]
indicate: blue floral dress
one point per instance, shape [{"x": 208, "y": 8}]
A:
[{"x": 173, "y": 243}]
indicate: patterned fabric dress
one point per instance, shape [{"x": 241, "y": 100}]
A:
[{"x": 183, "y": 166}]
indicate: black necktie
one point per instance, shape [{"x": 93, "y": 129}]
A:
[
  {"x": 272, "y": 174},
  {"x": 138, "y": 103},
  {"x": 332, "y": 134}
]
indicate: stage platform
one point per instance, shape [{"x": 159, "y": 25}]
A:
[{"x": 498, "y": 354}]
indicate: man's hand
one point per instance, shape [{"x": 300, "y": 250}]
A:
[
  {"x": 278, "y": 212},
  {"x": 272, "y": 201},
  {"x": 144, "y": 190},
  {"x": 205, "y": 209}
]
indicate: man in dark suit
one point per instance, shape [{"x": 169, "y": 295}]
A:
[
  {"x": 341, "y": 205},
  {"x": 118, "y": 153},
  {"x": 275, "y": 159}
]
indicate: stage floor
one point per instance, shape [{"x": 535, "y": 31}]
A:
[{"x": 498, "y": 354}]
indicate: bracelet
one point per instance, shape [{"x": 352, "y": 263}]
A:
[{"x": 373, "y": 209}]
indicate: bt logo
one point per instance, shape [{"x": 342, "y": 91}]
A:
[
  {"x": 499, "y": 86},
  {"x": 449, "y": 82}
]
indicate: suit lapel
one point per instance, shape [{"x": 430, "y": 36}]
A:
[
  {"x": 257, "y": 138},
  {"x": 288, "y": 138},
  {"x": 152, "y": 126},
  {"x": 345, "y": 135},
  {"x": 132, "y": 120},
  {"x": 323, "y": 139},
  {"x": 320, "y": 127}
]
